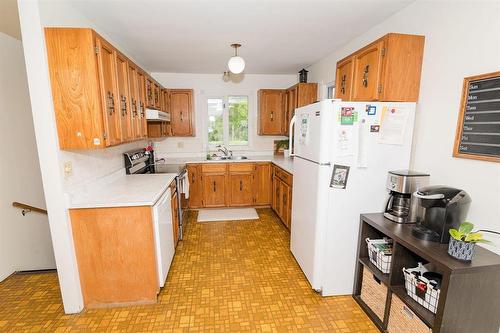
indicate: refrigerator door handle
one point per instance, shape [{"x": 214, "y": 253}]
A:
[{"x": 290, "y": 136}]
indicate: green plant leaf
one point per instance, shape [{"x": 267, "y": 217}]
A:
[
  {"x": 466, "y": 227},
  {"x": 474, "y": 237},
  {"x": 455, "y": 234},
  {"x": 484, "y": 241}
]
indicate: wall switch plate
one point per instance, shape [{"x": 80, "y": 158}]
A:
[
  {"x": 68, "y": 169},
  {"x": 180, "y": 144}
]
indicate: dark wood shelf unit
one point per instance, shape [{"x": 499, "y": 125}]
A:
[
  {"x": 378, "y": 273},
  {"x": 469, "y": 293}
]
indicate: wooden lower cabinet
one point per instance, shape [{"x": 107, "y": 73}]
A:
[
  {"x": 113, "y": 271},
  {"x": 282, "y": 195},
  {"x": 229, "y": 184},
  {"x": 175, "y": 206},
  {"x": 241, "y": 189},
  {"x": 214, "y": 190}
]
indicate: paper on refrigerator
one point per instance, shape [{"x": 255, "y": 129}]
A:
[{"x": 393, "y": 125}]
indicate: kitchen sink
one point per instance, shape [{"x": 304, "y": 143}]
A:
[{"x": 227, "y": 158}]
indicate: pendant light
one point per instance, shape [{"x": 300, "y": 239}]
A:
[{"x": 236, "y": 63}]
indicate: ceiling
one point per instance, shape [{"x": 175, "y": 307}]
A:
[
  {"x": 9, "y": 18},
  {"x": 193, "y": 36}
]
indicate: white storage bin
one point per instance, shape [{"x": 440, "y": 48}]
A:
[
  {"x": 380, "y": 253},
  {"x": 421, "y": 289}
]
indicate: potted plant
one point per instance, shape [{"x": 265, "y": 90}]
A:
[
  {"x": 463, "y": 241},
  {"x": 280, "y": 146}
]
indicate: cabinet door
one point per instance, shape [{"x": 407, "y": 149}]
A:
[
  {"x": 262, "y": 184},
  {"x": 286, "y": 197},
  {"x": 195, "y": 186},
  {"x": 166, "y": 100},
  {"x": 344, "y": 78},
  {"x": 107, "y": 77},
  {"x": 141, "y": 90},
  {"x": 291, "y": 105},
  {"x": 150, "y": 95},
  {"x": 367, "y": 66},
  {"x": 175, "y": 217},
  {"x": 271, "y": 111},
  {"x": 181, "y": 112},
  {"x": 134, "y": 100},
  {"x": 155, "y": 129},
  {"x": 214, "y": 190},
  {"x": 241, "y": 189},
  {"x": 123, "y": 97},
  {"x": 277, "y": 200},
  {"x": 157, "y": 95}
]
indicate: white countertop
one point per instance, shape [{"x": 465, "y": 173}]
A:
[
  {"x": 286, "y": 163},
  {"x": 126, "y": 190}
]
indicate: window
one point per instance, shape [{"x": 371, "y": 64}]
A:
[{"x": 228, "y": 121}]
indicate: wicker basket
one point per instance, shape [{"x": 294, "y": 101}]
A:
[
  {"x": 402, "y": 319},
  {"x": 373, "y": 293}
]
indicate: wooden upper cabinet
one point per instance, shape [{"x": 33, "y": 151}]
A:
[
  {"x": 106, "y": 65},
  {"x": 150, "y": 95},
  {"x": 181, "y": 112},
  {"x": 141, "y": 91},
  {"x": 386, "y": 70},
  {"x": 157, "y": 95},
  {"x": 271, "y": 111},
  {"x": 81, "y": 68},
  {"x": 195, "y": 186},
  {"x": 133, "y": 81},
  {"x": 297, "y": 96},
  {"x": 344, "y": 78},
  {"x": 367, "y": 65},
  {"x": 166, "y": 100},
  {"x": 123, "y": 97},
  {"x": 262, "y": 184}
]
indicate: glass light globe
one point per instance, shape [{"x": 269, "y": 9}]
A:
[{"x": 236, "y": 64}]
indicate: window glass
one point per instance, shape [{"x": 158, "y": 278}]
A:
[
  {"x": 238, "y": 120},
  {"x": 215, "y": 121}
]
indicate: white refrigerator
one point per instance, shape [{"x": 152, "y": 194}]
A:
[{"x": 367, "y": 138}]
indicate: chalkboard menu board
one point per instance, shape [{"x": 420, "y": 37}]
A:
[{"x": 478, "y": 128}]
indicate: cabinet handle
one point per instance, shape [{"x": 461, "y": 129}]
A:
[
  {"x": 342, "y": 84},
  {"x": 182, "y": 118},
  {"x": 272, "y": 115},
  {"x": 134, "y": 108},
  {"x": 123, "y": 100},
  {"x": 241, "y": 185},
  {"x": 214, "y": 185},
  {"x": 110, "y": 102},
  {"x": 365, "y": 76},
  {"x": 141, "y": 107}
]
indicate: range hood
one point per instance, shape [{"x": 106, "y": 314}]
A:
[{"x": 156, "y": 115}]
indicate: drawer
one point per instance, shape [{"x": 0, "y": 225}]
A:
[
  {"x": 213, "y": 167},
  {"x": 373, "y": 293},
  {"x": 402, "y": 319},
  {"x": 241, "y": 167},
  {"x": 283, "y": 175}
]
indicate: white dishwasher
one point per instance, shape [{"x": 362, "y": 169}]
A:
[{"x": 164, "y": 237}]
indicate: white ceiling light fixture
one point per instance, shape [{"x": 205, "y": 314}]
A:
[{"x": 236, "y": 63}]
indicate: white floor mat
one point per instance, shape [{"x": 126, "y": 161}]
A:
[{"x": 227, "y": 214}]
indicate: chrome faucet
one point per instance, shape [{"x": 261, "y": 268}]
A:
[{"x": 224, "y": 150}]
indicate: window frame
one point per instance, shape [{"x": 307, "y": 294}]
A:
[{"x": 225, "y": 122}]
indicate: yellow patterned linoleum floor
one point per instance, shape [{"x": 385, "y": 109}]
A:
[{"x": 226, "y": 277}]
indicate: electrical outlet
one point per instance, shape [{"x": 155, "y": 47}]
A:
[
  {"x": 180, "y": 144},
  {"x": 68, "y": 169}
]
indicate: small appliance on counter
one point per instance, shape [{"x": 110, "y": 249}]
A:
[
  {"x": 400, "y": 207},
  {"x": 445, "y": 208}
]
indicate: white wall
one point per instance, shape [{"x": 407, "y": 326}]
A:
[
  {"x": 87, "y": 166},
  {"x": 462, "y": 39},
  {"x": 212, "y": 85},
  {"x": 25, "y": 242}
]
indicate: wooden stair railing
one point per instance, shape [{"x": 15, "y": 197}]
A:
[{"x": 28, "y": 209}]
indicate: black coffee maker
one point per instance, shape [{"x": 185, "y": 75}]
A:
[{"x": 445, "y": 208}]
